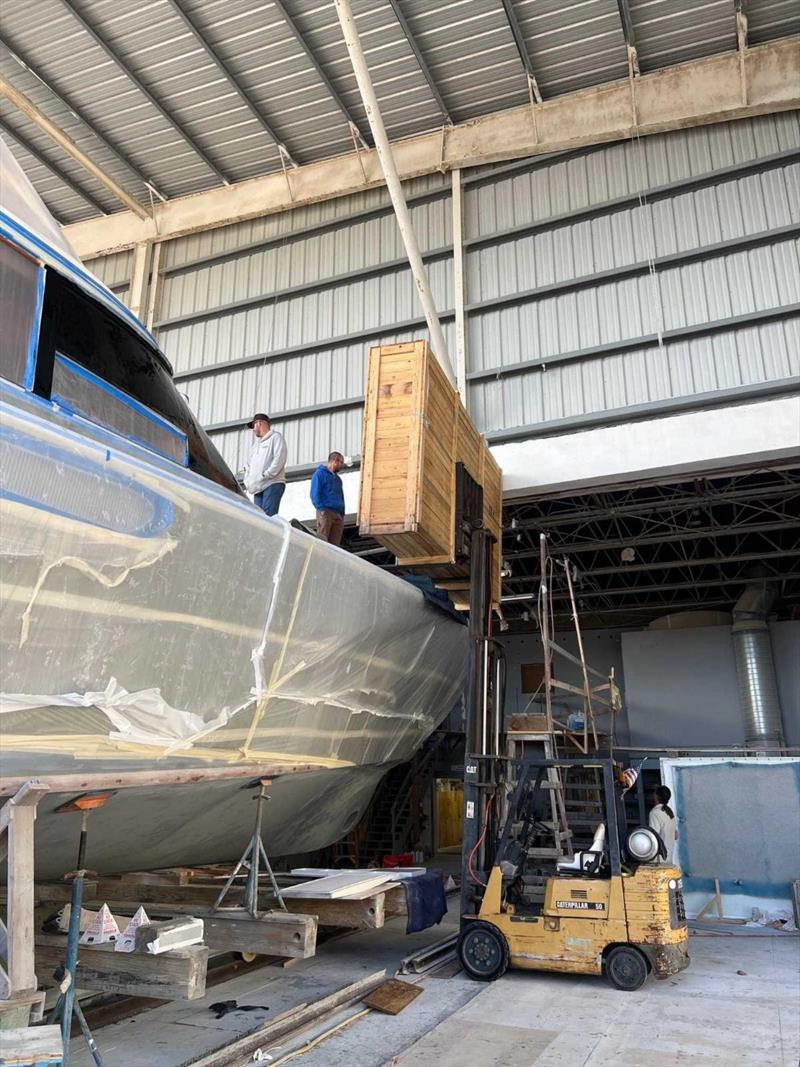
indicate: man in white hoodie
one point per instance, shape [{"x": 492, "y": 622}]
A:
[{"x": 265, "y": 473}]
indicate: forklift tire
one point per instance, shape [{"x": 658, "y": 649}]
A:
[
  {"x": 483, "y": 951},
  {"x": 626, "y": 968}
]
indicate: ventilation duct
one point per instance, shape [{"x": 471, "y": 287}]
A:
[{"x": 755, "y": 667}]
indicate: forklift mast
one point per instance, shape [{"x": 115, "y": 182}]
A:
[{"x": 483, "y": 727}]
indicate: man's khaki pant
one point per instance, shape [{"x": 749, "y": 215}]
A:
[{"x": 330, "y": 526}]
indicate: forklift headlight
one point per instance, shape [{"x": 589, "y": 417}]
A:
[
  {"x": 672, "y": 883},
  {"x": 643, "y": 845}
]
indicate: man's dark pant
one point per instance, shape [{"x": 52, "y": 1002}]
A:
[
  {"x": 269, "y": 499},
  {"x": 330, "y": 526}
]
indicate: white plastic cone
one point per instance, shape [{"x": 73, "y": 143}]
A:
[
  {"x": 102, "y": 928},
  {"x": 127, "y": 940}
]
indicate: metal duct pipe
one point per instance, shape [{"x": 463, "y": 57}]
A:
[{"x": 755, "y": 667}]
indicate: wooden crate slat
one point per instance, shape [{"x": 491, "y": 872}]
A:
[{"x": 415, "y": 431}]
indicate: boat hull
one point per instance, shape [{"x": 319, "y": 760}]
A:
[{"x": 153, "y": 621}]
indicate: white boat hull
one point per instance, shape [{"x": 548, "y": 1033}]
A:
[{"x": 151, "y": 620}]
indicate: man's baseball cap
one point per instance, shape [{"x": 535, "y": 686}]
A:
[{"x": 258, "y": 415}]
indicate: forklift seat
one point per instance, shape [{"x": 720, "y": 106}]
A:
[{"x": 587, "y": 861}]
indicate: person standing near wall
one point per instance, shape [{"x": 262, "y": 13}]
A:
[
  {"x": 662, "y": 820},
  {"x": 265, "y": 473},
  {"x": 327, "y": 496}
]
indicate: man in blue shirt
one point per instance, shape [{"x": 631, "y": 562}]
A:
[{"x": 327, "y": 496}]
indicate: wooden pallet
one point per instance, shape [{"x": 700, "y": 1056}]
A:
[{"x": 415, "y": 431}]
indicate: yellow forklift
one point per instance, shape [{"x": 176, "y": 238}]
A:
[{"x": 610, "y": 909}]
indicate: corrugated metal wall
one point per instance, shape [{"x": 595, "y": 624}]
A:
[
  {"x": 623, "y": 277},
  {"x": 114, "y": 272}
]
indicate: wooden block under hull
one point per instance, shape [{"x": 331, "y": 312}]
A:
[
  {"x": 273, "y": 934},
  {"x": 176, "y": 975}
]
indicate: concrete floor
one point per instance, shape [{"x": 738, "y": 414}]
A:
[
  {"x": 738, "y": 1004},
  {"x": 708, "y": 1015},
  {"x": 176, "y": 1033}
]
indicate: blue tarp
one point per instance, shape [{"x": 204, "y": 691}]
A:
[{"x": 425, "y": 901}]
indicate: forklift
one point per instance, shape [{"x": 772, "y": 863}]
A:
[{"x": 611, "y": 909}]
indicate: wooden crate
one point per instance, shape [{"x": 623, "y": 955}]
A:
[{"x": 415, "y": 431}]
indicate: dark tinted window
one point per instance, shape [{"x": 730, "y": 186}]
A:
[
  {"x": 80, "y": 391},
  {"x": 89, "y": 335},
  {"x": 19, "y": 281}
]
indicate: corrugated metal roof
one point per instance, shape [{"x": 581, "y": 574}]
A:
[
  {"x": 190, "y": 111},
  {"x": 768, "y": 19},
  {"x": 470, "y": 50},
  {"x": 667, "y": 32},
  {"x": 42, "y": 96},
  {"x": 573, "y": 45}
]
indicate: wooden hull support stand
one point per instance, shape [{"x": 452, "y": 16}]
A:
[
  {"x": 253, "y": 855},
  {"x": 20, "y": 1000},
  {"x": 67, "y": 1005}
]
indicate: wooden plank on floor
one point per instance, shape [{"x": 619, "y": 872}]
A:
[
  {"x": 392, "y": 996},
  {"x": 394, "y": 902},
  {"x": 54, "y": 892},
  {"x": 40, "y": 1045},
  {"x": 368, "y": 913},
  {"x": 242, "y": 1050},
  {"x": 108, "y": 890},
  {"x": 176, "y": 975},
  {"x": 396, "y": 874}
]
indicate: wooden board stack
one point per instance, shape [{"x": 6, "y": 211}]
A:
[
  {"x": 415, "y": 431},
  {"x": 342, "y": 884}
]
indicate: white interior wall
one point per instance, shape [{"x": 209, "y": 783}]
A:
[{"x": 679, "y": 685}]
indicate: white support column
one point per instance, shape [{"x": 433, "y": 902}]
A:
[
  {"x": 459, "y": 285},
  {"x": 140, "y": 276},
  {"x": 384, "y": 150},
  {"x": 156, "y": 280}
]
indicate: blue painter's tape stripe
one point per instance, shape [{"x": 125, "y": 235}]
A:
[
  {"x": 37, "y": 411},
  {"x": 161, "y": 511},
  {"x": 33, "y": 340},
  {"x": 16, "y": 231},
  {"x": 129, "y": 401}
]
